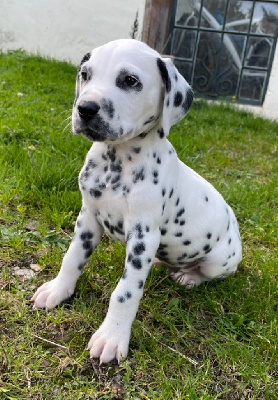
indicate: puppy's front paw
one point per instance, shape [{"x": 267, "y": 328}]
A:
[
  {"x": 52, "y": 293},
  {"x": 109, "y": 341}
]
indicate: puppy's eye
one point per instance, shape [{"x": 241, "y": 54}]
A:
[
  {"x": 131, "y": 81},
  {"x": 84, "y": 75}
]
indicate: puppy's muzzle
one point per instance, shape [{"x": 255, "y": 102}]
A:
[{"x": 88, "y": 109}]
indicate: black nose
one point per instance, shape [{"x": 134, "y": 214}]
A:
[{"x": 87, "y": 109}]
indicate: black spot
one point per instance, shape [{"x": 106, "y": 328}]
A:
[
  {"x": 187, "y": 242},
  {"x": 224, "y": 265},
  {"x": 137, "y": 263},
  {"x": 89, "y": 252},
  {"x": 129, "y": 257},
  {"x": 124, "y": 274},
  {"x": 218, "y": 239},
  {"x": 180, "y": 212},
  {"x": 138, "y": 175},
  {"x": 163, "y": 192},
  {"x": 177, "y": 202},
  {"x": 228, "y": 227},
  {"x": 163, "y": 253},
  {"x": 140, "y": 284},
  {"x": 79, "y": 223},
  {"x": 178, "y": 234},
  {"x": 121, "y": 299},
  {"x": 95, "y": 193},
  {"x": 149, "y": 260},
  {"x": 155, "y": 173},
  {"x": 149, "y": 120},
  {"x": 154, "y": 155},
  {"x": 108, "y": 107},
  {"x": 129, "y": 157},
  {"x": 171, "y": 193},
  {"x": 188, "y": 99},
  {"x": 147, "y": 228},
  {"x": 160, "y": 133},
  {"x": 206, "y": 198},
  {"x": 176, "y": 221},
  {"x": 86, "y": 235},
  {"x": 209, "y": 235},
  {"x": 81, "y": 267},
  {"x": 116, "y": 167},
  {"x": 139, "y": 230},
  {"x": 87, "y": 245},
  {"x": 128, "y": 295},
  {"x": 182, "y": 222},
  {"x": 182, "y": 256},
  {"x": 178, "y": 99},
  {"x": 116, "y": 179},
  {"x": 163, "y": 231},
  {"x": 194, "y": 255},
  {"x": 139, "y": 248},
  {"x": 158, "y": 160},
  {"x": 207, "y": 248},
  {"x": 106, "y": 223},
  {"x": 164, "y": 74},
  {"x": 136, "y": 150},
  {"x": 125, "y": 190},
  {"x": 229, "y": 241},
  {"x": 111, "y": 153}
]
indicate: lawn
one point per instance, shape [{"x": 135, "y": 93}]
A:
[{"x": 218, "y": 341}]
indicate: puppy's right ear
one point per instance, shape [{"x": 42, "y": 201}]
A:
[{"x": 77, "y": 83}]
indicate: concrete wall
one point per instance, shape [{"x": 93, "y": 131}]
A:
[{"x": 65, "y": 29}]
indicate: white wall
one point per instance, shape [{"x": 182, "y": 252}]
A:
[
  {"x": 65, "y": 29},
  {"x": 270, "y": 106}
]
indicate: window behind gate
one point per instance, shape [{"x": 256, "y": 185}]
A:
[{"x": 225, "y": 48}]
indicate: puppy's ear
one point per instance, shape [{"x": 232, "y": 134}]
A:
[{"x": 178, "y": 94}]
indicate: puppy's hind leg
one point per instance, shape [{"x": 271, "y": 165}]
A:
[{"x": 189, "y": 277}]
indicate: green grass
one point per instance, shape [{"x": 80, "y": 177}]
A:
[{"x": 218, "y": 341}]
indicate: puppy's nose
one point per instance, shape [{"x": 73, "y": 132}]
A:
[{"x": 87, "y": 109}]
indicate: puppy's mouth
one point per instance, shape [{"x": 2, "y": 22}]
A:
[{"x": 95, "y": 129}]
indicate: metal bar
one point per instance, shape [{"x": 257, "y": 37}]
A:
[
  {"x": 204, "y": 29},
  {"x": 245, "y": 51}
]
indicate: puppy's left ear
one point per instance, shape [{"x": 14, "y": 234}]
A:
[{"x": 178, "y": 94}]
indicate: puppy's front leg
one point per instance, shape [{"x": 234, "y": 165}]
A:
[
  {"x": 111, "y": 340},
  {"x": 86, "y": 238}
]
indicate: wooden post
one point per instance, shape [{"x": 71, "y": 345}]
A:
[{"x": 156, "y": 23}]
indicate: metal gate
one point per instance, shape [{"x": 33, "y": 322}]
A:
[{"x": 225, "y": 48}]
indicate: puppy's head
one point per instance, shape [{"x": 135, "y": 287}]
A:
[{"x": 125, "y": 88}]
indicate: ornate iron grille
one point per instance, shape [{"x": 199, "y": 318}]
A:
[{"x": 225, "y": 48}]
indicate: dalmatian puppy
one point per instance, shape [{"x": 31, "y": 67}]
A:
[{"x": 136, "y": 189}]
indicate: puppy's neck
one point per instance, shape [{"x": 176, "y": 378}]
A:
[{"x": 136, "y": 147}]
